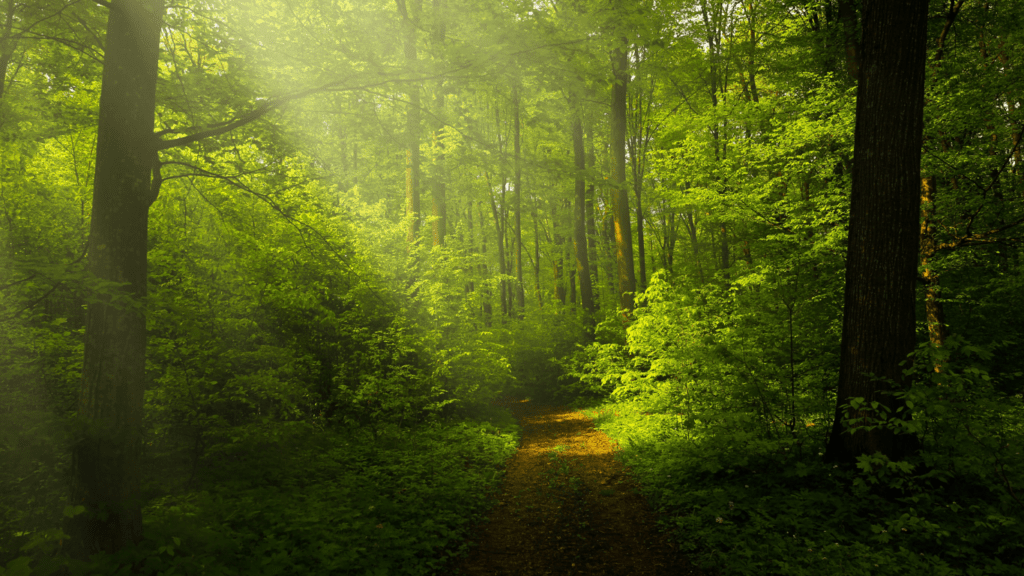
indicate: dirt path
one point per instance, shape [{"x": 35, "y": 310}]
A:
[{"x": 568, "y": 507}]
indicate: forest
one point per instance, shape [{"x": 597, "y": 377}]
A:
[{"x": 480, "y": 287}]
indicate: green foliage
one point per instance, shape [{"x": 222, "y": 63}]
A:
[
  {"x": 398, "y": 502},
  {"x": 747, "y": 503}
]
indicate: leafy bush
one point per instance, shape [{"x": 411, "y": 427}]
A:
[
  {"x": 400, "y": 502},
  {"x": 745, "y": 502}
]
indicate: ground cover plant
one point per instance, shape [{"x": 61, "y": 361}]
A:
[
  {"x": 744, "y": 502},
  {"x": 342, "y": 503}
]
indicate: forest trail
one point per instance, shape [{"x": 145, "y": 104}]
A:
[{"x": 567, "y": 507}]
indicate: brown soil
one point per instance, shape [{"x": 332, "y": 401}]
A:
[{"x": 567, "y": 507}]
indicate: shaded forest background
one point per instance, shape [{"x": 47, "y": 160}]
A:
[{"x": 365, "y": 222}]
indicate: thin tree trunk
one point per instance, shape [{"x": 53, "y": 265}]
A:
[
  {"x": 848, "y": 19},
  {"x": 691, "y": 230},
  {"x": 934, "y": 312},
  {"x": 580, "y": 248},
  {"x": 105, "y": 466},
  {"x": 488, "y": 312},
  {"x": 500, "y": 232},
  {"x": 572, "y": 286},
  {"x": 7, "y": 44},
  {"x": 472, "y": 242},
  {"x": 592, "y": 238},
  {"x": 409, "y": 16},
  {"x": 620, "y": 193},
  {"x": 438, "y": 204},
  {"x": 536, "y": 255},
  {"x": 884, "y": 232},
  {"x": 557, "y": 263},
  {"x": 520, "y": 291},
  {"x": 724, "y": 243}
]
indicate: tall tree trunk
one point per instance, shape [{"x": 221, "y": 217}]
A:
[
  {"x": 691, "y": 230},
  {"x": 724, "y": 244},
  {"x": 620, "y": 192},
  {"x": 536, "y": 255},
  {"x": 934, "y": 312},
  {"x": 500, "y": 230},
  {"x": 8, "y": 43},
  {"x": 572, "y": 286},
  {"x": 848, "y": 19},
  {"x": 639, "y": 129},
  {"x": 105, "y": 456},
  {"x": 516, "y": 150},
  {"x": 410, "y": 14},
  {"x": 557, "y": 263},
  {"x": 472, "y": 242},
  {"x": 488, "y": 312},
  {"x": 882, "y": 254},
  {"x": 591, "y": 225},
  {"x": 438, "y": 204},
  {"x": 579, "y": 244},
  {"x": 668, "y": 244}
]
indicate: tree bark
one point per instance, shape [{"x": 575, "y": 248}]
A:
[
  {"x": 409, "y": 15},
  {"x": 557, "y": 260},
  {"x": 848, "y": 19},
  {"x": 488, "y": 312},
  {"x": 7, "y": 44},
  {"x": 881, "y": 265},
  {"x": 579, "y": 244},
  {"x": 500, "y": 230},
  {"x": 934, "y": 312},
  {"x": 105, "y": 456},
  {"x": 438, "y": 197},
  {"x": 591, "y": 225},
  {"x": 620, "y": 192},
  {"x": 536, "y": 255},
  {"x": 517, "y": 183}
]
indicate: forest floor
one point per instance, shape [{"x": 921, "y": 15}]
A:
[{"x": 567, "y": 506}]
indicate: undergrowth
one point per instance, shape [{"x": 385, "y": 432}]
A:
[
  {"x": 748, "y": 506},
  {"x": 338, "y": 502}
]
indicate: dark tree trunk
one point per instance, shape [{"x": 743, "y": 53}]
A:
[
  {"x": 882, "y": 256},
  {"x": 848, "y": 19},
  {"x": 105, "y": 455},
  {"x": 580, "y": 248},
  {"x": 620, "y": 193},
  {"x": 8, "y": 43}
]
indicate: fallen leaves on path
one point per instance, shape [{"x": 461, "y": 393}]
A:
[{"x": 568, "y": 507}]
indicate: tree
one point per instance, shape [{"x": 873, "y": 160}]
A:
[
  {"x": 517, "y": 186},
  {"x": 881, "y": 266},
  {"x": 105, "y": 457},
  {"x": 409, "y": 13},
  {"x": 579, "y": 238},
  {"x": 620, "y": 191}
]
